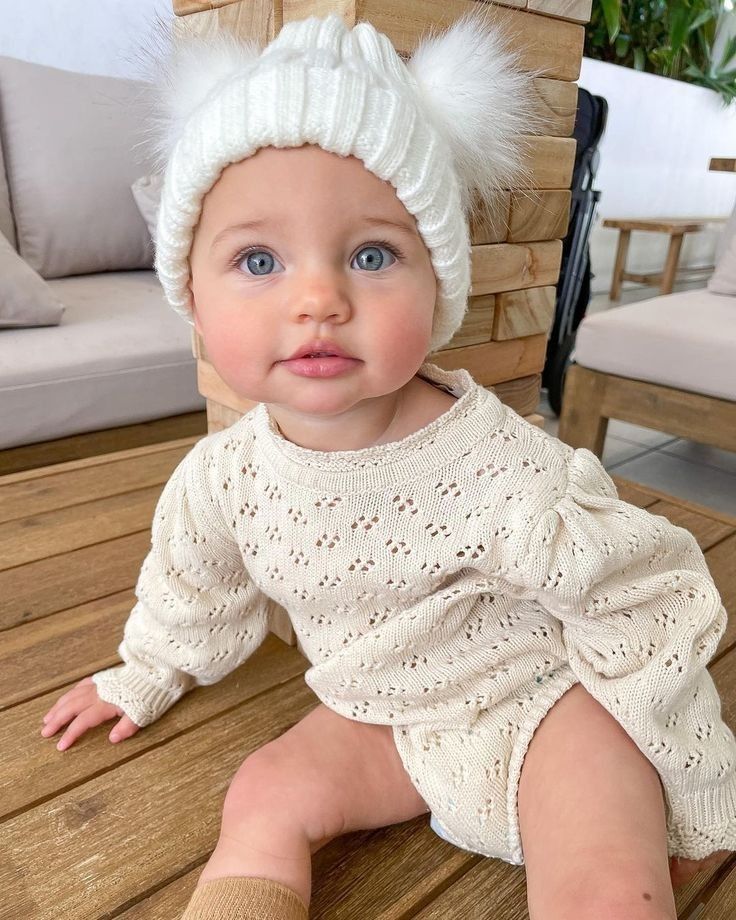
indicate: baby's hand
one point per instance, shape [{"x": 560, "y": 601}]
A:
[{"x": 82, "y": 705}]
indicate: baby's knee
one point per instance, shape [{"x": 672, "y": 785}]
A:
[{"x": 272, "y": 791}]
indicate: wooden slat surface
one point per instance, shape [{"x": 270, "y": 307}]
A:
[
  {"x": 105, "y": 830},
  {"x": 552, "y": 47}
]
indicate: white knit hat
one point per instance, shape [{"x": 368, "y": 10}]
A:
[{"x": 440, "y": 128}]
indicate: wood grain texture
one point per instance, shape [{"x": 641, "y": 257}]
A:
[
  {"x": 550, "y": 162},
  {"x": 477, "y": 323},
  {"x": 108, "y": 440},
  {"x": 511, "y": 267},
  {"x": 259, "y": 19},
  {"x": 520, "y": 313},
  {"x": 722, "y": 164},
  {"x": 557, "y": 103},
  {"x": 489, "y": 219},
  {"x": 656, "y": 224},
  {"x": 552, "y": 47},
  {"x": 572, "y": 10},
  {"x": 538, "y": 215},
  {"x": 595, "y": 397},
  {"x": 521, "y": 394}
]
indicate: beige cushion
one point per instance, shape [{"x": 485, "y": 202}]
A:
[
  {"x": 25, "y": 298},
  {"x": 121, "y": 356},
  {"x": 723, "y": 279},
  {"x": 685, "y": 340},
  {"x": 72, "y": 148}
]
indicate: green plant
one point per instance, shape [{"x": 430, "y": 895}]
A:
[{"x": 673, "y": 39}]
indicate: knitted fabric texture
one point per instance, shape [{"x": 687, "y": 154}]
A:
[
  {"x": 244, "y": 898},
  {"x": 452, "y": 584},
  {"x": 447, "y": 124}
]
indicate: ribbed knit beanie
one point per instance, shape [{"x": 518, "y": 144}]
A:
[{"x": 446, "y": 125}]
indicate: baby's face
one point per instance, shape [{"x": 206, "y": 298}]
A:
[{"x": 320, "y": 266}]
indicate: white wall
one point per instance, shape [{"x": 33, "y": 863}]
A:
[
  {"x": 87, "y": 36},
  {"x": 653, "y": 158}
]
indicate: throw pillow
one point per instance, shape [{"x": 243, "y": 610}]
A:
[
  {"x": 25, "y": 298},
  {"x": 72, "y": 144}
]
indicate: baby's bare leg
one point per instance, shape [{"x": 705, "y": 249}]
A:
[
  {"x": 326, "y": 776},
  {"x": 592, "y": 819}
]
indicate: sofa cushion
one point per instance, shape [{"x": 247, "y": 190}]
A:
[
  {"x": 685, "y": 340},
  {"x": 25, "y": 298},
  {"x": 71, "y": 153},
  {"x": 120, "y": 356}
]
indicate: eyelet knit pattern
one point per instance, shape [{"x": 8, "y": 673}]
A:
[{"x": 452, "y": 584}]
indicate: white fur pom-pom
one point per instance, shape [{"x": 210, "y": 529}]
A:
[
  {"x": 480, "y": 100},
  {"x": 178, "y": 76}
]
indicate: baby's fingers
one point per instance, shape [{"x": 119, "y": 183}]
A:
[
  {"x": 77, "y": 728},
  {"x": 67, "y": 698},
  {"x": 125, "y": 728}
]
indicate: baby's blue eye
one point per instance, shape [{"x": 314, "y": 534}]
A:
[
  {"x": 374, "y": 259},
  {"x": 259, "y": 261}
]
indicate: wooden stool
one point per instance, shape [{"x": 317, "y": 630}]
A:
[{"x": 676, "y": 229}]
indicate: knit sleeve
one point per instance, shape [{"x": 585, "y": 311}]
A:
[
  {"x": 198, "y": 615},
  {"x": 641, "y": 618}
]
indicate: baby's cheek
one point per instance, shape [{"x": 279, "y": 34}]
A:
[
  {"x": 407, "y": 334},
  {"x": 239, "y": 360}
]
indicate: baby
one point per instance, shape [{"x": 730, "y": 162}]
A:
[{"x": 494, "y": 636}]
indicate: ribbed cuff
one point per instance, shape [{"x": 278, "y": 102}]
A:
[
  {"x": 700, "y": 823},
  {"x": 140, "y": 700},
  {"x": 245, "y": 898}
]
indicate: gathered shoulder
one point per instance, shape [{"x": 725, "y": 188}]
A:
[{"x": 532, "y": 464}]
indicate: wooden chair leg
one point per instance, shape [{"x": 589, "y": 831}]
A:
[
  {"x": 620, "y": 266},
  {"x": 581, "y": 421},
  {"x": 670, "y": 266}
]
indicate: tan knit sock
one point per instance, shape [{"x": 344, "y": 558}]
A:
[{"x": 244, "y": 898}]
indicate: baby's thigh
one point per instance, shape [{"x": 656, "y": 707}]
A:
[
  {"x": 592, "y": 819},
  {"x": 330, "y": 774}
]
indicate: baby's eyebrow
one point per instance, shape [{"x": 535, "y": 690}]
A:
[{"x": 263, "y": 222}]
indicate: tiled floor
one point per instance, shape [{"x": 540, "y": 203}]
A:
[{"x": 685, "y": 468}]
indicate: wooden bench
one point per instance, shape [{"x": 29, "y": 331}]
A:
[
  {"x": 104, "y": 830},
  {"x": 675, "y": 227}
]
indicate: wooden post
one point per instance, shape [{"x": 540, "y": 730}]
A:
[
  {"x": 582, "y": 423},
  {"x": 620, "y": 267},
  {"x": 670, "y": 266}
]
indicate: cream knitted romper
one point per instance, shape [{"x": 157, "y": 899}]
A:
[{"x": 454, "y": 585}]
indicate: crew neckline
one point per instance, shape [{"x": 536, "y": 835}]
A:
[{"x": 475, "y": 411}]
